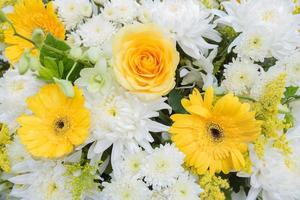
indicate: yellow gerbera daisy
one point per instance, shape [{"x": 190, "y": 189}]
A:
[
  {"x": 214, "y": 135},
  {"x": 27, "y": 16},
  {"x": 57, "y": 125}
]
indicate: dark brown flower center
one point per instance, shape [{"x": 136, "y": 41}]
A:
[
  {"x": 61, "y": 125},
  {"x": 215, "y": 132}
]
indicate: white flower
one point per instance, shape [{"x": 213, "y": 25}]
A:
[
  {"x": 43, "y": 181},
  {"x": 295, "y": 108},
  {"x": 163, "y": 166},
  {"x": 121, "y": 11},
  {"x": 189, "y": 22},
  {"x": 196, "y": 76},
  {"x": 95, "y": 31},
  {"x": 133, "y": 163},
  {"x": 72, "y": 12},
  {"x": 291, "y": 65},
  {"x": 260, "y": 20},
  {"x": 125, "y": 188},
  {"x": 253, "y": 43},
  {"x": 122, "y": 120},
  {"x": 14, "y": 90},
  {"x": 240, "y": 75},
  {"x": 275, "y": 174},
  {"x": 185, "y": 188},
  {"x": 97, "y": 79},
  {"x": 20, "y": 160}
]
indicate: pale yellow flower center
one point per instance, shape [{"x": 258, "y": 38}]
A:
[
  {"x": 255, "y": 43},
  {"x": 268, "y": 16}
]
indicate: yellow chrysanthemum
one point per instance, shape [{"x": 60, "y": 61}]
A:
[
  {"x": 57, "y": 125},
  {"x": 214, "y": 135},
  {"x": 29, "y": 15}
]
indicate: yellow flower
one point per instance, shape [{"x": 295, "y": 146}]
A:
[
  {"x": 29, "y": 15},
  {"x": 214, "y": 135},
  {"x": 145, "y": 60},
  {"x": 57, "y": 125}
]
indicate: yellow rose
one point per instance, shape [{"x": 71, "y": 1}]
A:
[{"x": 145, "y": 60}]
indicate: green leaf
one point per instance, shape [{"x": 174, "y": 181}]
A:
[
  {"x": 290, "y": 92},
  {"x": 54, "y": 58},
  {"x": 61, "y": 68},
  {"x": 46, "y": 74},
  {"x": 228, "y": 34},
  {"x": 50, "y": 63},
  {"x": 174, "y": 100}
]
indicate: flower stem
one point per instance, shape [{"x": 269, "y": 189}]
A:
[
  {"x": 19, "y": 35},
  {"x": 72, "y": 69}
]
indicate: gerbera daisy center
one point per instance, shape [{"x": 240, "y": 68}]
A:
[
  {"x": 61, "y": 125},
  {"x": 215, "y": 132}
]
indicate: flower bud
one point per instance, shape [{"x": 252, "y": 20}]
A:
[
  {"x": 76, "y": 52},
  {"x": 66, "y": 87},
  {"x": 38, "y": 36},
  {"x": 23, "y": 65},
  {"x": 34, "y": 63},
  {"x": 93, "y": 54},
  {"x": 3, "y": 17}
]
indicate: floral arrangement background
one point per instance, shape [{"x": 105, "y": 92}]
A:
[{"x": 150, "y": 99}]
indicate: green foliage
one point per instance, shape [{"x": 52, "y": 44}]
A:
[
  {"x": 174, "y": 101},
  {"x": 228, "y": 35},
  {"x": 290, "y": 91},
  {"x": 3, "y": 67},
  {"x": 268, "y": 62},
  {"x": 55, "y": 60}
]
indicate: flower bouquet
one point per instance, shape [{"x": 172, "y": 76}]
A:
[{"x": 150, "y": 99}]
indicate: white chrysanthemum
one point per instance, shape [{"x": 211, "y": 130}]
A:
[
  {"x": 20, "y": 160},
  {"x": 133, "y": 163},
  {"x": 43, "y": 181},
  {"x": 185, "y": 188},
  {"x": 240, "y": 75},
  {"x": 14, "y": 90},
  {"x": 163, "y": 166},
  {"x": 159, "y": 195},
  {"x": 125, "y": 188},
  {"x": 189, "y": 22},
  {"x": 122, "y": 120},
  {"x": 72, "y": 12},
  {"x": 95, "y": 31},
  {"x": 121, "y": 11},
  {"x": 255, "y": 44},
  {"x": 291, "y": 65},
  {"x": 275, "y": 175},
  {"x": 269, "y": 18},
  {"x": 97, "y": 79}
]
